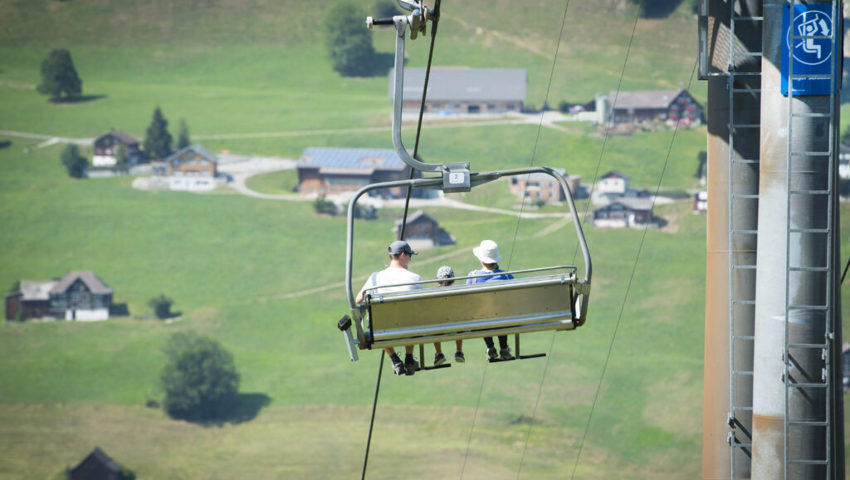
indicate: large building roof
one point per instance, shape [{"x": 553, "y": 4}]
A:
[
  {"x": 196, "y": 148},
  {"x": 655, "y": 99},
  {"x": 350, "y": 160},
  {"x": 464, "y": 84}
]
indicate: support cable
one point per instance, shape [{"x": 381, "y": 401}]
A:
[
  {"x": 436, "y": 18},
  {"x": 533, "y": 154},
  {"x": 540, "y": 125},
  {"x": 372, "y": 420},
  {"x": 626, "y": 295}
]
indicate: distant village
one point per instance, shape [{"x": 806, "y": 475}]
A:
[{"x": 338, "y": 172}]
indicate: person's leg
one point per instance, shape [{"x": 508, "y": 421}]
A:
[
  {"x": 492, "y": 354},
  {"x": 410, "y": 363},
  {"x": 439, "y": 358},
  {"x": 459, "y": 358},
  {"x": 504, "y": 349},
  {"x": 398, "y": 365}
]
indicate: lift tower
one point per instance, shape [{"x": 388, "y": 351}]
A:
[{"x": 785, "y": 417}]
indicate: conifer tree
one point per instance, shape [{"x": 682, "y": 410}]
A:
[
  {"x": 183, "y": 136},
  {"x": 157, "y": 142}
]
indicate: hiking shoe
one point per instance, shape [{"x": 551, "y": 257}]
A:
[
  {"x": 410, "y": 365},
  {"x": 459, "y": 358},
  {"x": 398, "y": 367},
  {"x": 505, "y": 354},
  {"x": 439, "y": 359},
  {"x": 492, "y": 354}
]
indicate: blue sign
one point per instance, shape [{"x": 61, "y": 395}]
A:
[{"x": 808, "y": 42}]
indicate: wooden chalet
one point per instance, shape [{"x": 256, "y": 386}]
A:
[
  {"x": 624, "y": 212},
  {"x": 106, "y": 148},
  {"x": 542, "y": 187},
  {"x": 655, "y": 105},
  {"x": 191, "y": 161},
  {"x": 335, "y": 171},
  {"x": 79, "y": 295},
  {"x": 613, "y": 182},
  {"x": 454, "y": 90},
  {"x": 423, "y": 231}
]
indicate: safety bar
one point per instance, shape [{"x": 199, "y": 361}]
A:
[{"x": 565, "y": 278}]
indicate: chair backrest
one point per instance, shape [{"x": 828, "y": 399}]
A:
[{"x": 471, "y": 311}]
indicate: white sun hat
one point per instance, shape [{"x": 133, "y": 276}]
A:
[{"x": 487, "y": 252}]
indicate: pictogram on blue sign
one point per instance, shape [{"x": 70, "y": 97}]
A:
[{"x": 808, "y": 42}]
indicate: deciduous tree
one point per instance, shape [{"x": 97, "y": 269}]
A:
[
  {"x": 348, "y": 41},
  {"x": 199, "y": 379},
  {"x": 73, "y": 161},
  {"x": 59, "y": 78}
]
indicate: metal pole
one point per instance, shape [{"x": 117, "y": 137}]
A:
[
  {"x": 788, "y": 330},
  {"x": 733, "y": 108},
  {"x": 768, "y": 366}
]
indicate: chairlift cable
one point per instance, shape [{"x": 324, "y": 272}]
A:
[
  {"x": 540, "y": 124},
  {"x": 372, "y": 420},
  {"x": 533, "y": 154},
  {"x": 628, "y": 288},
  {"x": 513, "y": 246}
]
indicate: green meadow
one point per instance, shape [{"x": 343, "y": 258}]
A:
[{"x": 619, "y": 397}]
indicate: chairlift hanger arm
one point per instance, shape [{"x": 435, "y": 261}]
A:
[{"x": 417, "y": 21}]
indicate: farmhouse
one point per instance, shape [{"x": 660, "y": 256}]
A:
[
  {"x": 614, "y": 182},
  {"x": 79, "y": 295},
  {"x": 96, "y": 466},
  {"x": 191, "y": 168},
  {"x": 106, "y": 148},
  {"x": 423, "y": 231},
  {"x": 335, "y": 171},
  {"x": 649, "y": 106},
  {"x": 625, "y": 212},
  {"x": 543, "y": 187},
  {"x": 464, "y": 90}
]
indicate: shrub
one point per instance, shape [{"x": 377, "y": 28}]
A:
[
  {"x": 75, "y": 163},
  {"x": 161, "y": 306}
]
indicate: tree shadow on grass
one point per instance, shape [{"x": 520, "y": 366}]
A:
[
  {"x": 77, "y": 99},
  {"x": 239, "y": 408},
  {"x": 659, "y": 9}
]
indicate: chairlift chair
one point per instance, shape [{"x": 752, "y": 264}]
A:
[{"x": 537, "y": 299}]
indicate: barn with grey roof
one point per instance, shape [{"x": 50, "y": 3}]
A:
[{"x": 456, "y": 90}]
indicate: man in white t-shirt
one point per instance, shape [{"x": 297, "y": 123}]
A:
[{"x": 395, "y": 274}]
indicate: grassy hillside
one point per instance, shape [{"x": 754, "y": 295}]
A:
[{"x": 265, "y": 277}]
